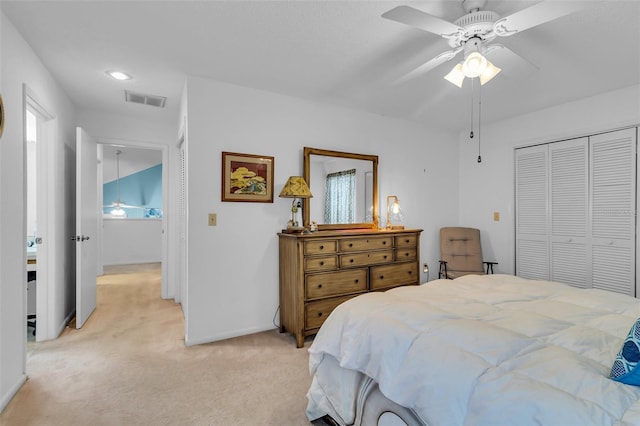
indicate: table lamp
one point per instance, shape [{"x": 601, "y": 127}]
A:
[
  {"x": 296, "y": 187},
  {"x": 394, "y": 212}
]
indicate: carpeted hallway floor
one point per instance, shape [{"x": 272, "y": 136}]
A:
[{"x": 129, "y": 366}]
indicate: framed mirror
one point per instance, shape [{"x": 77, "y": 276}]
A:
[{"x": 344, "y": 187}]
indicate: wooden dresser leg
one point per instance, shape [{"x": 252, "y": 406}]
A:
[{"x": 299, "y": 340}]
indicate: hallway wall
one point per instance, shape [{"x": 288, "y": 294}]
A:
[{"x": 20, "y": 66}]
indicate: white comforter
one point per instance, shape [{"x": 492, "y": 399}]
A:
[{"x": 488, "y": 350}]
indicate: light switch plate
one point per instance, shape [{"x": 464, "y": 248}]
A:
[
  {"x": 496, "y": 216},
  {"x": 213, "y": 219}
]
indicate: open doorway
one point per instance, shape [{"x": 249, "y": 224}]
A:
[
  {"x": 132, "y": 194},
  {"x": 38, "y": 128},
  {"x": 31, "y": 141}
]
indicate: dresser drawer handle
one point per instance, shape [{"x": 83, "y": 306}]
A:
[
  {"x": 321, "y": 247},
  {"x": 319, "y": 285},
  {"x": 384, "y": 243},
  {"x": 350, "y": 244},
  {"x": 319, "y": 314},
  {"x": 382, "y": 277},
  {"x": 357, "y": 281},
  {"x": 406, "y": 241},
  {"x": 406, "y": 254},
  {"x": 410, "y": 272},
  {"x": 321, "y": 263},
  {"x": 350, "y": 260},
  {"x": 385, "y": 257}
]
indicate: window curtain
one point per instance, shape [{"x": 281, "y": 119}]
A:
[{"x": 339, "y": 205}]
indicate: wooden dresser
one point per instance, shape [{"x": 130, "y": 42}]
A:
[{"x": 320, "y": 270}]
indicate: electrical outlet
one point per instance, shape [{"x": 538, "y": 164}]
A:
[
  {"x": 213, "y": 219},
  {"x": 496, "y": 216}
]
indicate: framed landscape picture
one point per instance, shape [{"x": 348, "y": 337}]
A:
[{"x": 247, "y": 177}]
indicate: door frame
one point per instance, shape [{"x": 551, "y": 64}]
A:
[
  {"x": 47, "y": 125},
  {"x": 165, "y": 293}
]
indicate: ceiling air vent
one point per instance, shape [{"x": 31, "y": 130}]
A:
[{"x": 140, "y": 98}]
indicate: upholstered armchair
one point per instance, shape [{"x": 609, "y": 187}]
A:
[{"x": 461, "y": 253}]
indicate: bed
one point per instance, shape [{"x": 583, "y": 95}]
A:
[{"x": 477, "y": 350}]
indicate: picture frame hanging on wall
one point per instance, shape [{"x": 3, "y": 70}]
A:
[{"x": 247, "y": 177}]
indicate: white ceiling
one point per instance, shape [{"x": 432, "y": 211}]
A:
[{"x": 337, "y": 52}]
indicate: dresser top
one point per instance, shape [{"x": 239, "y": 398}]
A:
[{"x": 349, "y": 233}]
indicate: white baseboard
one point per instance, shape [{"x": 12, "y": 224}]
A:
[
  {"x": 6, "y": 398},
  {"x": 227, "y": 335},
  {"x": 65, "y": 323}
]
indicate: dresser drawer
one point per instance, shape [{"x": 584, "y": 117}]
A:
[
  {"x": 406, "y": 254},
  {"x": 406, "y": 241},
  {"x": 361, "y": 244},
  {"x": 394, "y": 275},
  {"x": 335, "y": 283},
  {"x": 320, "y": 246},
  {"x": 324, "y": 263},
  {"x": 315, "y": 313},
  {"x": 365, "y": 259}
]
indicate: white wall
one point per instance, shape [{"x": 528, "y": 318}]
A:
[
  {"x": 489, "y": 186},
  {"x": 129, "y": 241},
  {"x": 19, "y": 65},
  {"x": 233, "y": 267}
]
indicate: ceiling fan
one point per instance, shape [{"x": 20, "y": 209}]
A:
[
  {"x": 472, "y": 34},
  {"x": 119, "y": 205}
]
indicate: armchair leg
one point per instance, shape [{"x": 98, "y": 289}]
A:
[{"x": 490, "y": 267}]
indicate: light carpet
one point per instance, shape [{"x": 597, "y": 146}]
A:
[{"x": 128, "y": 365}]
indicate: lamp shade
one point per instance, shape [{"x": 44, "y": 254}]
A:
[
  {"x": 296, "y": 187},
  {"x": 474, "y": 64},
  {"x": 455, "y": 76},
  {"x": 489, "y": 72}
]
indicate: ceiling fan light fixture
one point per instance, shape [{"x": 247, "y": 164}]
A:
[
  {"x": 489, "y": 72},
  {"x": 474, "y": 65},
  {"x": 118, "y": 212},
  {"x": 455, "y": 76}
]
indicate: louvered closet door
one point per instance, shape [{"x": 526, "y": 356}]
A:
[
  {"x": 532, "y": 248},
  {"x": 569, "y": 195},
  {"x": 613, "y": 189}
]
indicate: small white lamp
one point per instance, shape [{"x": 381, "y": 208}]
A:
[{"x": 394, "y": 212}]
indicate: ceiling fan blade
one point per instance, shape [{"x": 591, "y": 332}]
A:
[
  {"x": 509, "y": 62},
  {"x": 422, "y": 20},
  {"x": 429, "y": 65},
  {"x": 535, "y": 15}
]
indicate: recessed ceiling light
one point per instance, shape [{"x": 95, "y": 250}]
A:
[{"x": 118, "y": 75}]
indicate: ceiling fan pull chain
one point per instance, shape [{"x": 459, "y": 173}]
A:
[
  {"x": 479, "y": 120},
  {"x": 118, "y": 152},
  {"x": 471, "y": 132}
]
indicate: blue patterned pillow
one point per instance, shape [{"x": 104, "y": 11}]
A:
[{"x": 625, "y": 367}]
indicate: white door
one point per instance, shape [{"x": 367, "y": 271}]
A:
[
  {"x": 532, "y": 227},
  {"x": 86, "y": 225},
  {"x": 613, "y": 200},
  {"x": 570, "y": 258}
]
